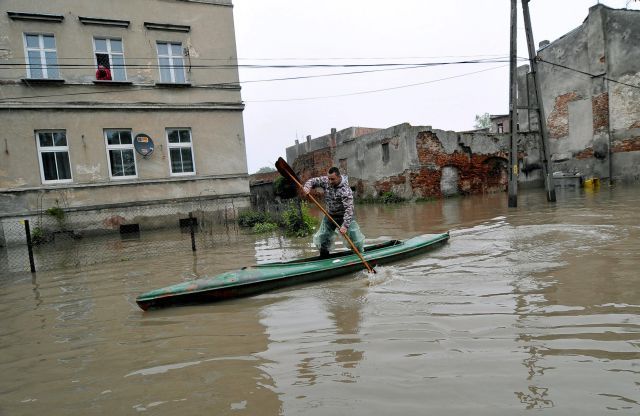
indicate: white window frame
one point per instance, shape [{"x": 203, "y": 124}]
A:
[
  {"x": 172, "y": 64},
  {"x": 180, "y": 146},
  {"x": 110, "y": 147},
  {"x": 110, "y": 53},
  {"x": 42, "y": 52},
  {"x": 52, "y": 149}
]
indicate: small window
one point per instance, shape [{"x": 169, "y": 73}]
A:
[
  {"x": 385, "y": 152},
  {"x": 121, "y": 154},
  {"x": 180, "y": 152},
  {"x": 500, "y": 128},
  {"x": 53, "y": 151},
  {"x": 171, "y": 62},
  {"x": 41, "y": 55},
  {"x": 109, "y": 55}
]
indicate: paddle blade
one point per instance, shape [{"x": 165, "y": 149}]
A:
[{"x": 286, "y": 171}]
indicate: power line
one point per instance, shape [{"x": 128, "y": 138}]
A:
[
  {"x": 256, "y": 66},
  {"x": 377, "y": 90},
  {"x": 217, "y": 85},
  {"x": 586, "y": 73}
]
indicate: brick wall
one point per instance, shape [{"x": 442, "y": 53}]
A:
[{"x": 558, "y": 119}]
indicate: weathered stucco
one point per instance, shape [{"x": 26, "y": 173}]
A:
[
  {"x": 424, "y": 162},
  {"x": 210, "y": 106},
  {"x": 593, "y": 117}
]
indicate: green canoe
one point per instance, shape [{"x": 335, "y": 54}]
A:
[{"x": 264, "y": 277}]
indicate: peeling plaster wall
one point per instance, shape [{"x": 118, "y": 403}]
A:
[
  {"x": 425, "y": 162},
  {"x": 594, "y": 123}
]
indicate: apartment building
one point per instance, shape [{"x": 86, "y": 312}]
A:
[{"x": 119, "y": 107}]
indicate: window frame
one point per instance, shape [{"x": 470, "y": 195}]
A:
[
  {"x": 53, "y": 149},
  {"x": 110, "y": 54},
  {"x": 42, "y": 52},
  {"x": 172, "y": 67},
  {"x": 180, "y": 146},
  {"x": 109, "y": 147}
]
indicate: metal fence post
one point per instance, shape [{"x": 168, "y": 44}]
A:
[
  {"x": 27, "y": 231},
  {"x": 192, "y": 230}
]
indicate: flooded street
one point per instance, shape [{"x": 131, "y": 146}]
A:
[{"x": 536, "y": 307}]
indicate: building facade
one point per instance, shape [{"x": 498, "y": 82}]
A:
[
  {"x": 590, "y": 82},
  {"x": 109, "y": 107}
]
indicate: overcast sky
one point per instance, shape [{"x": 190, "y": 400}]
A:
[{"x": 347, "y": 32}]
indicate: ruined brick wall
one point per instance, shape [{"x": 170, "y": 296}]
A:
[
  {"x": 558, "y": 119},
  {"x": 600, "y": 108},
  {"x": 315, "y": 163},
  {"x": 480, "y": 172}
]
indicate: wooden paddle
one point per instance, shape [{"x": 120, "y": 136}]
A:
[{"x": 286, "y": 171}]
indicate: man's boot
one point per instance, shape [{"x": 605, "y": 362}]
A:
[{"x": 324, "y": 253}]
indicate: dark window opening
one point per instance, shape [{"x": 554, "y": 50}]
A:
[
  {"x": 500, "y": 128},
  {"x": 127, "y": 229},
  {"x": 104, "y": 67},
  {"x": 385, "y": 152}
]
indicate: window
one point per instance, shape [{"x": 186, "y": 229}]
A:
[
  {"x": 171, "y": 62},
  {"x": 385, "y": 152},
  {"x": 500, "y": 128},
  {"x": 53, "y": 153},
  {"x": 180, "y": 152},
  {"x": 42, "y": 58},
  {"x": 110, "y": 56},
  {"x": 122, "y": 159}
]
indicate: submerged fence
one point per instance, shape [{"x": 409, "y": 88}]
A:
[{"x": 59, "y": 238}]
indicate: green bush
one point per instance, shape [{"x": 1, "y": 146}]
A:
[
  {"x": 250, "y": 218},
  {"x": 386, "y": 198},
  {"x": 265, "y": 227},
  {"x": 294, "y": 224},
  {"x": 390, "y": 198},
  {"x": 37, "y": 236}
]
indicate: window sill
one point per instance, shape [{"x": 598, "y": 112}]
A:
[
  {"x": 34, "y": 81},
  {"x": 173, "y": 84},
  {"x": 111, "y": 82}
]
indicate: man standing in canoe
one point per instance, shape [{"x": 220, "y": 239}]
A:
[{"x": 339, "y": 200}]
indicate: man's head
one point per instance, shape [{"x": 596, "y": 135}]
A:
[{"x": 334, "y": 176}]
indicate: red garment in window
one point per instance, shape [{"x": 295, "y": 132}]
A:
[{"x": 103, "y": 73}]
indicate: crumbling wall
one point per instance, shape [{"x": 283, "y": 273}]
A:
[{"x": 418, "y": 161}]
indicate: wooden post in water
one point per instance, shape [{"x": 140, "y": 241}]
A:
[
  {"x": 27, "y": 230},
  {"x": 513, "y": 112},
  {"x": 542, "y": 120}
]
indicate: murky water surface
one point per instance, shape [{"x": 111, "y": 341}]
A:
[{"x": 530, "y": 308}]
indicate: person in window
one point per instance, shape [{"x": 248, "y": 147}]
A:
[
  {"x": 103, "y": 73},
  {"x": 339, "y": 200}
]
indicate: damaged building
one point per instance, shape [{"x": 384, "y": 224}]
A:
[
  {"x": 416, "y": 161},
  {"x": 590, "y": 82}
]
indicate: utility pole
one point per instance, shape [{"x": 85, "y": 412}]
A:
[
  {"x": 513, "y": 112},
  {"x": 542, "y": 119}
]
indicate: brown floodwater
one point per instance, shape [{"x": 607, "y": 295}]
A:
[{"x": 533, "y": 308}]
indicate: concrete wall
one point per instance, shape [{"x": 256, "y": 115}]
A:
[
  {"x": 209, "y": 105},
  {"x": 424, "y": 162},
  {"x": 593, "y": 121}
]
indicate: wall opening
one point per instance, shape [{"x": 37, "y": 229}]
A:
[{"x": 449, "y": 181}]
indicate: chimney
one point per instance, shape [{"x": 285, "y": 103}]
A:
[{"x": 332, "y": 141}]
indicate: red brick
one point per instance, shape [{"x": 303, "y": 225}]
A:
[{"x": 558, "y": 120}]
